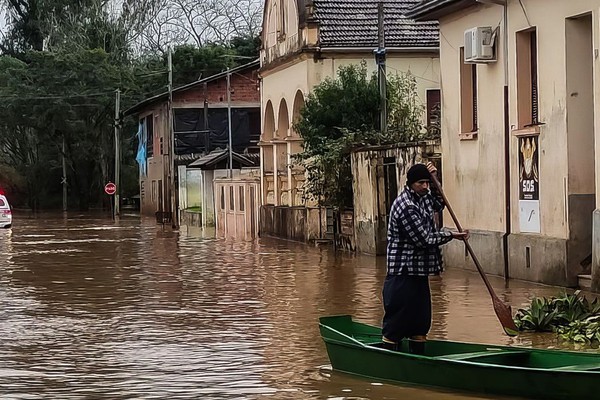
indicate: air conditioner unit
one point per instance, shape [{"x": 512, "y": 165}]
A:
[{"x": 479, "y": 45}]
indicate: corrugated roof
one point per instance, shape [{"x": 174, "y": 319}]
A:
[
  {"x": 353, "y": 23},
  {"x": 216, "y": 156}
]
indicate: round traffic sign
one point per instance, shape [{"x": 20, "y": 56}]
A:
[{"x": 110, "y": 188}]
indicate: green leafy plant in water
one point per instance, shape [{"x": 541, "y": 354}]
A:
[
  {"x": 582, "y": 331},
  {"x": 539, "y": 317},
  {"x": 571, "y": 307},
  {"x": 594, "y": 307},
  {"x": 572, "y": 316}
]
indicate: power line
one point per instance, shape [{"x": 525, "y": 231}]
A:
[
  {"x": 525, "y": 12},
  {"x": 55, "y": 97},
  {"x": 151, "y": 74},
  {"x": 245, "y": 77},
  {"x": 447, "y": 41},
  {"x": 416, "y": 76}
]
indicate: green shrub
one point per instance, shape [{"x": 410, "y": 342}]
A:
[{"x": 539, "y": 317}]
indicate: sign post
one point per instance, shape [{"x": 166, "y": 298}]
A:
[{"x": 110, "y": 189}]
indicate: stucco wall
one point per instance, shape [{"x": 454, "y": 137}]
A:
[
  {"x": 149, "y": 202},
  {"x": 474, "y": 169},
  {"x": 272, "y": 21},
  {"x": 284, "y": 222},
  {"x": 283, "y": 85},
  {"x": 190, "y": 218},
  {"x": 370, "y": 225}
]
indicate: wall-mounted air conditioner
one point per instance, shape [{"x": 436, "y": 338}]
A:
[{"x": 479, "y": 45}]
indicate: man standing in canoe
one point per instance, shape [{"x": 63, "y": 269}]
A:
[{"x": 413, "y": 253}]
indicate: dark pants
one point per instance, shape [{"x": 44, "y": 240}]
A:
[{"x": 407, "y": 306}]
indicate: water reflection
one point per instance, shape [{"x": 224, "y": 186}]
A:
[{"x": 97, "y": 309}]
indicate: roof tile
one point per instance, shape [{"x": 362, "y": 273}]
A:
[{"x": 353, "y": 23}]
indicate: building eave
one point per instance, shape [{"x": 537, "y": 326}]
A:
[
  {"x": 435, "y": 49},
  {"x": 318, "y": 52},
  {"x": 435, "y": 9},
  {"x": 211, "y": 159}
]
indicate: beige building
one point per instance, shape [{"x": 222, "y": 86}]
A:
[
  {"x": 520, "y": 85},
  {"x": 306, "y": 41}
]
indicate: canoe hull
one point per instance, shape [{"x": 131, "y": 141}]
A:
[{"x": 501, "y": 374}]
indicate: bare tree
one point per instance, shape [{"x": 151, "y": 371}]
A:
[
  {"x": 209, "y": 21},
  {"x": 162, "y": 29},
  {"x": 144, "y": 26}
]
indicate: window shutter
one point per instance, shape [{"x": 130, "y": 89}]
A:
[
  {"x": 474, "y": 83},
  {"x": 534, "y": 79}
]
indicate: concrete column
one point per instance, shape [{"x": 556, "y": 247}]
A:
[
  {"x": 263, "y": 182},
  {"x": 276, "y": 186},
  {"x": 291, "y": 191}
]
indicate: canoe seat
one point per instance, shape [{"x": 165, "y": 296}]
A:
[
  {"x": 478, "y": 354},
  {"x": 579, "y": 367}
]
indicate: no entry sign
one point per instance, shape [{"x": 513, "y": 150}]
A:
[{"x": 110, "y": 188}]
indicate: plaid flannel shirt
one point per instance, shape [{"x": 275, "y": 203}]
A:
[{"x": 413, "y": 240}]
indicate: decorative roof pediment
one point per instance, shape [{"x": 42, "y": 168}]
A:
[
  {"x": 282, "y": 20},
  {"x": 289, "y": 26}
]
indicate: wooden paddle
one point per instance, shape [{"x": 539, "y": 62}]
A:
[{"x": 503, "y": 311}]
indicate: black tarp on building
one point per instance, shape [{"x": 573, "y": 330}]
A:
[{"x": 193, "y": 136}]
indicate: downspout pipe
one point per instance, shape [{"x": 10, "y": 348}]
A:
[{"x": 507, "y": 179}]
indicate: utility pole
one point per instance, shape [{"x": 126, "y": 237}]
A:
[
  {"x": 380, "y": 61},
  {"x": 230, "y": 172},
  {"x": 117, "y": 153},
  {"x": 64, "y": 177},
  {"x": 172, "y": 166},
  {"x": 229, "y": 122}
]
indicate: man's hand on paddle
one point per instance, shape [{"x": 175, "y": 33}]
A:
[{"x": 464, "y": 235}]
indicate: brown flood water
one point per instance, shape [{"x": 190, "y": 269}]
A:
[{"x": 95, "y": 309}]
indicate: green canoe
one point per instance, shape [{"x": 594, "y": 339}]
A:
[{"x": 486, "y": 369}]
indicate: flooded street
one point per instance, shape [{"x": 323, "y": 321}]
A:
[{"x": 96, "y": 309}]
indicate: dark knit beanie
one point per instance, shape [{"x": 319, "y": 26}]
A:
[{"x": 416, "y": 173}]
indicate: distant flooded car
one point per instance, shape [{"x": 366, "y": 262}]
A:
[{"x": 5, "y": 213}]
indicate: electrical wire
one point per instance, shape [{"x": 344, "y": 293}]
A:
[
  {"x": 525, "y": 13},
  {"x": 447, "y": 41},
  {"x": 416, "y": 76},
  {"x": 245, "y": 77},
  {"x": 151, "y": 74},
  {"x": 57, "y": 97}
]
